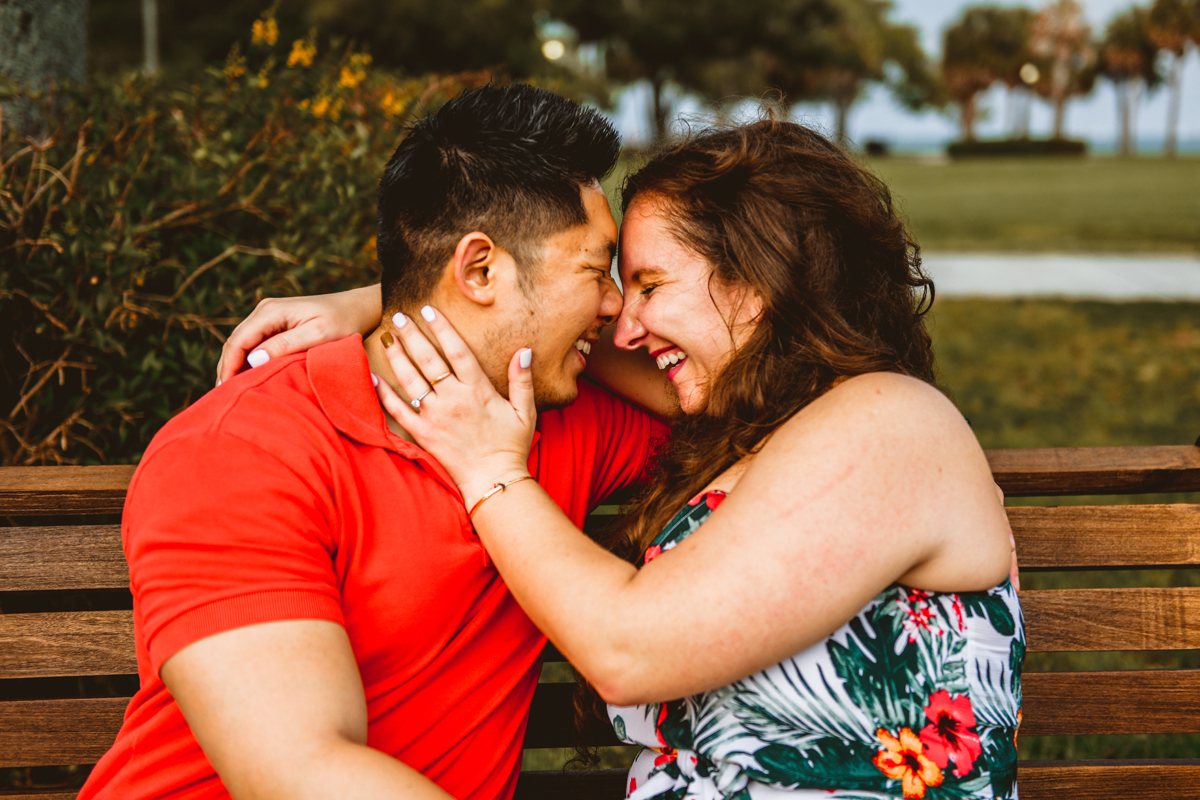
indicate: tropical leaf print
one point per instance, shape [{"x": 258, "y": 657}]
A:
[{"x": 918, "y": 696}]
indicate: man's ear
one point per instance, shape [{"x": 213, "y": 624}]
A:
[{"x": 474, "y": 267}]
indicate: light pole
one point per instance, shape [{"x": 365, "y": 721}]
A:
[{"x": 150, "y": 35}]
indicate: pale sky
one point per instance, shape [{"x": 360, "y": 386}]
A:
[{"x": 876, "y": 116}]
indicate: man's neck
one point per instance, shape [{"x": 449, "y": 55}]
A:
[{"x": 378, "y": 362}]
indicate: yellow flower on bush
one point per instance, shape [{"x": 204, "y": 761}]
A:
[
  {"x": 302, "y": 53},
  {"x": 265, "y": 30},
  {"x": 355, "y": 71},
  {"x": 391, "y": 104},
  {"x": 320, "y": 106},
  {"x": 235, "y": 65}
]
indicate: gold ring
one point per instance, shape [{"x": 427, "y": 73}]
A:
[{"x": 441, "y": 377}]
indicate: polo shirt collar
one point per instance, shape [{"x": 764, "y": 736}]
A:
[{"x": 341, "y": 380}]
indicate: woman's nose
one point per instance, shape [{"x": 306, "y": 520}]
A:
[{"x": 628, "y": 333}]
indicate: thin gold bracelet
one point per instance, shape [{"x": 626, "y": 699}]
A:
[{"x": 497, "y": 488}]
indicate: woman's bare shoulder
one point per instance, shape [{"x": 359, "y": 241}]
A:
[{"x": 885, "y": 408}]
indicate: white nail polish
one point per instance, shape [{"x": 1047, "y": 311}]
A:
[
  {"x": 428, "y": 313},
  {"x": 374, "y": 380},
  {"x": 218, "y": 382},
  {"x": 258, "y": 358},
  {"x": 526, "y": 358},
  {"x": 399, "y": 320}
]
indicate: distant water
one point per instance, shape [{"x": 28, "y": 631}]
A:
[{"x": 1092, "y": 277}]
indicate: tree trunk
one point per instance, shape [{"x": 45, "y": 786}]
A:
[
  {"x": 1131, "y": 108},
  {"x": 1123, "y": 115},
  {"x": 1026, "y": 112},
  {"x": 841, "y": 116},
  {"x": 968, "y": 119},
  {"x": 660, "y": 114},
  {"x": 1060, "y": 116},
  {"x": 150, "y": 35},
  {"x": 1175, "y": 82},
  {"x": 42, "y": 43}
]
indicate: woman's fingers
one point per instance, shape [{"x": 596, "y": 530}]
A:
[
  {"x": 422, "y": 352},
  {"x": 408, "y": 375},
  {"x": 461, "y": 359},
  {"x": 401, "y": 411},
  {"x": 520, "y": 385}
]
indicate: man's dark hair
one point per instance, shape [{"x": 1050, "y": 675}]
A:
[{"x": 505, "y": 160}]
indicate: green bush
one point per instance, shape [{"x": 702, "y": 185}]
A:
[
  {"x": 158, "y": 214},
  {"x": 1020, "y": 148}
]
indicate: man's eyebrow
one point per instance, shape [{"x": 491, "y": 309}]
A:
[{"x": 605, "y": 252}]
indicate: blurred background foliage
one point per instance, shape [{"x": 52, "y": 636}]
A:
[{"x": 160, "y": 211}]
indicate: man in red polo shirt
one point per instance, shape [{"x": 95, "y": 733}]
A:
[{"x": 314, "y": 615}]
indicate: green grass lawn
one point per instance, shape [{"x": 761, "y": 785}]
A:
[
  {"x": 1097, "y": 204},
  {"x": 1051, "y": 373},
  {"x": 1089, "y": 205}
]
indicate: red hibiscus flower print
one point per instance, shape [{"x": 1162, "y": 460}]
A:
[
  {"x": 712, "y": 499},
  {"x": 949, "y": 735},
  {"x": 902, "y": 759},
  {"x": 667, "y": 755},
  {"x": 653, "y": 553}
]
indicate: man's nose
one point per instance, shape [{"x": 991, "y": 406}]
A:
[{"x": 610, "y": 304}]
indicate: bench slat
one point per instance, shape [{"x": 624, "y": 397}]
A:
[
  {"x": 65, "y": 557},
  {"x": 1096, "y": 470},
  {"x": 37, "y": 491},
  {"x": 1091, "y": 537},
  {"x": 38, "y": 732},
  {"x": 1038, "y": 780},
  {"x": 592, "y": 784},
  {"x": 1076, "y": 620},
  {"x": 1055, "y": 704},
  {"x": 67, "y": 643},
  {"x": 30, "y": 491},
  {"x": 1128, "y": 701},
  {"x": 1105, "y": 780}
]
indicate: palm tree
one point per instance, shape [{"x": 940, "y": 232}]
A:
[
  {"x": 1063, "y": 41},
  {"x": 1172, "y": 24},
  {"x": 987, "y": 44},
  {"x": 1127, "y": 58}
]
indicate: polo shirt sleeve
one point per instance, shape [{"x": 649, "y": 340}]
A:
[
  {"x": 628, "y": 440},
  {"x": 221, "y": 534}
]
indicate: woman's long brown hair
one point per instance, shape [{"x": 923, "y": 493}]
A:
[{"x": 778, "y": 208}]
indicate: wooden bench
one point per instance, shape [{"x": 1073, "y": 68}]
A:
[{"x": 67, "y": 663}]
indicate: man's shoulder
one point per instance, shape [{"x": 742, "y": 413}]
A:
[{"x": 265, "y": 407}]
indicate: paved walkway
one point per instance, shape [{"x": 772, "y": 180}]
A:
[{"x": 1095, "y": 277}]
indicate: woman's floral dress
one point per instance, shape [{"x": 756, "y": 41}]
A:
[{"x": 918, "y": 696}]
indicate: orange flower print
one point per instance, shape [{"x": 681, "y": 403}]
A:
[{"x": 903, "y": 759}]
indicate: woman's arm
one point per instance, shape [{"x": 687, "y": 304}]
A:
[
  {"x": 877, "y": 481},
  {"x": 279, "y": 326},
  {"x": 632, "y": 374}
]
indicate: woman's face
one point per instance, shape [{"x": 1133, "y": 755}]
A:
[{"x": 690, "y": 323}]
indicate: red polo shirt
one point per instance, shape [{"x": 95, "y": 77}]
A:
[{"x": 284, "y": 496}]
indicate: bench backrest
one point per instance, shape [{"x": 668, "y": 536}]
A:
[{"x": 59, "y": 727}]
